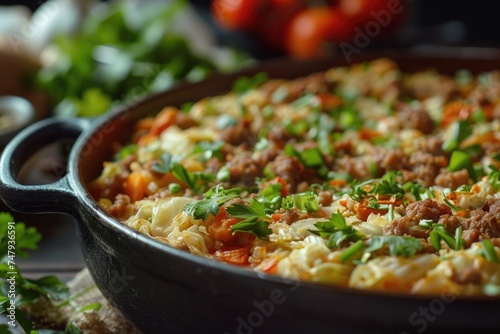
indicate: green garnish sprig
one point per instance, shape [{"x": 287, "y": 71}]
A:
[{"x": 337, "y": 231}]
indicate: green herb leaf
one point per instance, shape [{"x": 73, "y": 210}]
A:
[
  {"x": 192, "y": 180},
  {"x": 126, "y": 151},
  {"x": 489, "y": 252},
  {"x": 244, "y": 84},
  {"x": 258, "y": 227},
  {"x": 214, "y": 198},
  {"x": 462, "y": 160},
  {"x": 352, "y": 250},
  {"x": 165, "y": 164},
  {"x": 27, "y": 238},
  {"x": 254, "y": 209},
  {"x": 307, "y": 201},
  {"x": 460, "y": 130},
  {"x": 209, "y": 150},
  {"x": 337, "y": 231},
  {"x": 398, "y": 245},
  {"x": 389, "y": 185}
]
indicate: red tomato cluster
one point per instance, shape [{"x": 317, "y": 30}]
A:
[{"x": 298, "y": 28}]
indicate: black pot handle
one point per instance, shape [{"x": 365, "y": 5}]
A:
[{"x": 53, "y": 197}]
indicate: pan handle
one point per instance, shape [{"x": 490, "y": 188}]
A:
[{"x": 53, "y": 197}]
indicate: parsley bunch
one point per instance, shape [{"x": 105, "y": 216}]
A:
[{"x": 27, "y": 291}]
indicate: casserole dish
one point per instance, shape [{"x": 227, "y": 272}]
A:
[{"x": 163, "y": 289}]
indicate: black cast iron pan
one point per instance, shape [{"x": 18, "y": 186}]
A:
[{"x": 161, "y": 289}]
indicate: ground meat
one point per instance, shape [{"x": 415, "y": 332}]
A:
[
  {"x": 288, "y": 216},
  {"x": 415, "y": 119},
  {"x": 492, "y": 205},
  {"x": 315, "y": 82},
  {"x": 325, "y": 198},
  {"x": 451, "y": 223},
  {"x": 470, "y": 237},
  {"x": 358, "y": 168},
  {"x": 432, "y": 145},
  {"x": 485, "y": 222},
  {"x": 415, "y": 212},
  {"x": 390, "y": 160},
  {"x": 452, "y": 180},
  {"x": 244, "y": 169},
  {"x": 238, "y": 135},
  {"x": 121, "y": 207},
  {"x": 185, "y": 121},
  {"x": 278, "y": 136},
  {"x": 426, "y": 166},
  {"x": 289, "y": 169}
]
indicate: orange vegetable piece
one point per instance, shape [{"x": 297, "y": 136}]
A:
[
  {"x": 136, "y": 186},
  {"x": 233, "y": 255},
  {"x": 163, "y": 120}
]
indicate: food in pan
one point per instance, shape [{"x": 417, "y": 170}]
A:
[{"x": 361, "y": 176}]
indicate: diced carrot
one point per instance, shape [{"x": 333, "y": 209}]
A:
[
  {"x": 369, "y": 134},
  {"x": 338, "y": 183},
  {"x": 343, "y": 202},
  {"x": 276, "y": 216},
  {"x": 454, "y": 111},
  {"x": 163, "y": 120},
  {"x": 233, "y": 255},
  {"x": 136, "y": 186},
  {"x": 463, "y": 213},
  {"x": 329, "y": 101}
]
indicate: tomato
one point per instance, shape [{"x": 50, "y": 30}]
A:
[
  {"x": 220, "y": 229},
  {"x": 233, "y": 255},
  {"x": 237, "y": 14},
  {"x": 273, "y": 21},
  {"x": 311, "y": 30},
  {"x": 389, "y": 12}
]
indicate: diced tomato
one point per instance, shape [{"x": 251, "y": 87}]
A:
[
  {"x": 363, "y": 210},
  {"x": 233, "y": 255},
  {"x": 338, "y": 183}
]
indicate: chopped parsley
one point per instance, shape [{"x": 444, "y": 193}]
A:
[
  {"x": 255, "y": 218},
  {"x": 165, "y": 164},
  {"x": 245, "y": 84},
  {"x": 214, "y": 198},
  {"x": 337, "y": 230},
  {"x": 489, "y": 252},
  {"x": 208, "y": 150},
  {"x": 389, "y": 185},
  {"x": 460, "y": 130},
  {"x": 398, "y": 245}
]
